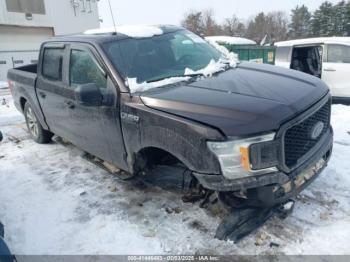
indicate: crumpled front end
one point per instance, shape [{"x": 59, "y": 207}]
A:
[{"x": 304, "y": 146}]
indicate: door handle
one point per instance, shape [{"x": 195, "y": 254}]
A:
[
  {"x": 42, "y": 94},
  {"x": 69, "y": 104},
  {"x": 330, "y": 70}
]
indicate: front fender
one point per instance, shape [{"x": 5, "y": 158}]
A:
[{"x": 184, "y": 139}]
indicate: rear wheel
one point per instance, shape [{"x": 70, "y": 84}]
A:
[{"x": 36, "y": 131}]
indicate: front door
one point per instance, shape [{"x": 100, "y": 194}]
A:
[
  {"x": 336, "y": 70},
  {"x": 96, "y": 129}
]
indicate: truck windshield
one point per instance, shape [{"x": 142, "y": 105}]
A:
[{"x": 159, "y": 57}]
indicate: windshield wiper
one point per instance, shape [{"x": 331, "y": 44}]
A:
[{"x": 163, "y": 78}]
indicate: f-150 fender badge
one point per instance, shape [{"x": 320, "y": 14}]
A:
[{"x": 129, "y": 117}]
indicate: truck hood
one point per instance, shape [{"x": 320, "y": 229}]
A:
[{"x": 249, "y": 99}]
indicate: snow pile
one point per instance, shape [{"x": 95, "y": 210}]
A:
[
  {"x": 230, "y": 40},
  {"x": 3, "y": 84},
  {"x": 134, "y": 31},
  {"x": 136, "y": 87}
]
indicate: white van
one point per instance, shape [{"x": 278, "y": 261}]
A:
[{"x": 327, "y": 58}]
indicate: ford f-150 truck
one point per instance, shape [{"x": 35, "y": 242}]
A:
[{"x": 256, "y": 135}]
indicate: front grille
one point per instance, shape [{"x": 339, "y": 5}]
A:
[{"x": 297, "y": 139}]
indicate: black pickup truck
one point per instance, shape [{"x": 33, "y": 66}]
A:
[{"x": 254, "y": 134}]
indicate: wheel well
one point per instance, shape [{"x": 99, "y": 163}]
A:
[
  {"x": 149, "y": 157},
  {"x": 22, "y": 101}
]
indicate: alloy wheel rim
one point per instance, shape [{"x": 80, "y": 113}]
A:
[{"x": 32, "y": 123}]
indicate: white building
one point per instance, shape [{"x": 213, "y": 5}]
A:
[{"x": 25, "y": 24}]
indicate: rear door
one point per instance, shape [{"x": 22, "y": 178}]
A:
[
  {"x": 336, "y": 69},
  {"x": 51, "y": 87}
]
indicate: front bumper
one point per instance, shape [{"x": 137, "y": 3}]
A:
[{"x": 282, "y": 185}]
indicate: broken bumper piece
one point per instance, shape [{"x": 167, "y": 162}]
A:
[{"x": 271, "y": 189}]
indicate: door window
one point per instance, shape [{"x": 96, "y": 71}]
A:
[
  {"x": 52, "y": 63},
  {"x": 283, "y": 53},
  {"x": 85, "y": 70},
  {"x": 338, "y": 54}
]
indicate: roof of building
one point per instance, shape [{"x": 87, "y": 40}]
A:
[{"x": 319, "y": 40}]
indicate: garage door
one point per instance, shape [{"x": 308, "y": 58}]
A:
[{"x": 20, "y": 46}]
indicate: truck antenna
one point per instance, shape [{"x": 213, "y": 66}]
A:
[{"x": 110, "y": 8}]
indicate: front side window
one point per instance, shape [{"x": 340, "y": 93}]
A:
[
  {"x": 338, "y": 54},
  {"x": 52, "y": 63},
  {"x": 163, "y": 56},
  {"x": 84, "y": 70}
]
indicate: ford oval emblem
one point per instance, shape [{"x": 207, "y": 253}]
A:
[{"x": 317, "y": 130}]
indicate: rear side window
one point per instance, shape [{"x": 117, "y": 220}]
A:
[
  {"x": 283, "y": 53},
  {"x": 52, "y": 63},
  {"x": 338, "y": 54}
]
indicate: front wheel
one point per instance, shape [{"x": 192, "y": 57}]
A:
[{"x": 36, "y": 131}]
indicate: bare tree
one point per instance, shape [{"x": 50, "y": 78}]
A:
[
  {"x": 278, "y": 25},
  {"x": 210, "y": 26},
  {"x": 193, "y": 21},
  {"x": 201, "y": 23},
  {"x": 274, "y": 24},
  {"x": 233, "y": 27}
]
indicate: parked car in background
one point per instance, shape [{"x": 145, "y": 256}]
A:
[
  {"x": 246, "y": 49},
  {"x": 327, "y": 58}
]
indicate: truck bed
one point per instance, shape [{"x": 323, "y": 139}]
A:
[
  {"x": 23, "y": 87},
  {"x": 25, "y": 74}
]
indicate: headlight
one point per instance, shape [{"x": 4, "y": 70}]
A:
[{"x": 247, "y": 157}]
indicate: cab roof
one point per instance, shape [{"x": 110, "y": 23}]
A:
[{"x": 101, "y": 35}]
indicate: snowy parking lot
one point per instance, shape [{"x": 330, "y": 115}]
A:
[{"x": 52, "y": 201}]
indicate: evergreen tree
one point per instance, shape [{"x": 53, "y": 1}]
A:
[
  {"x": 322, "y": 20},
  {"x": 300, "y": 24}
]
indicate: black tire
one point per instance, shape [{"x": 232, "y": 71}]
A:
[{"x": 36, "y": 131}]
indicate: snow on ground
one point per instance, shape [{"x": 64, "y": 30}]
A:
[
  {"x": 52, "y": 201},
  {"x": 3, "y": 84}
]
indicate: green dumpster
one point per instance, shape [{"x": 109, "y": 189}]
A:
[{"x": 254, "y": 53}]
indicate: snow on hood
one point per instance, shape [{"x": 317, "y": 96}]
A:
[
  {"x": 134, "y": 31},
  {"x": 136, "y": 87},
  {"x": 231, "y": 40}
]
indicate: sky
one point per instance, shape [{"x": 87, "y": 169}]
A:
[{"x": 172, "y": 12}]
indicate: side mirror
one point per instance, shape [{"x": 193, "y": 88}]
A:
[{"x": 88, "y": 95}]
